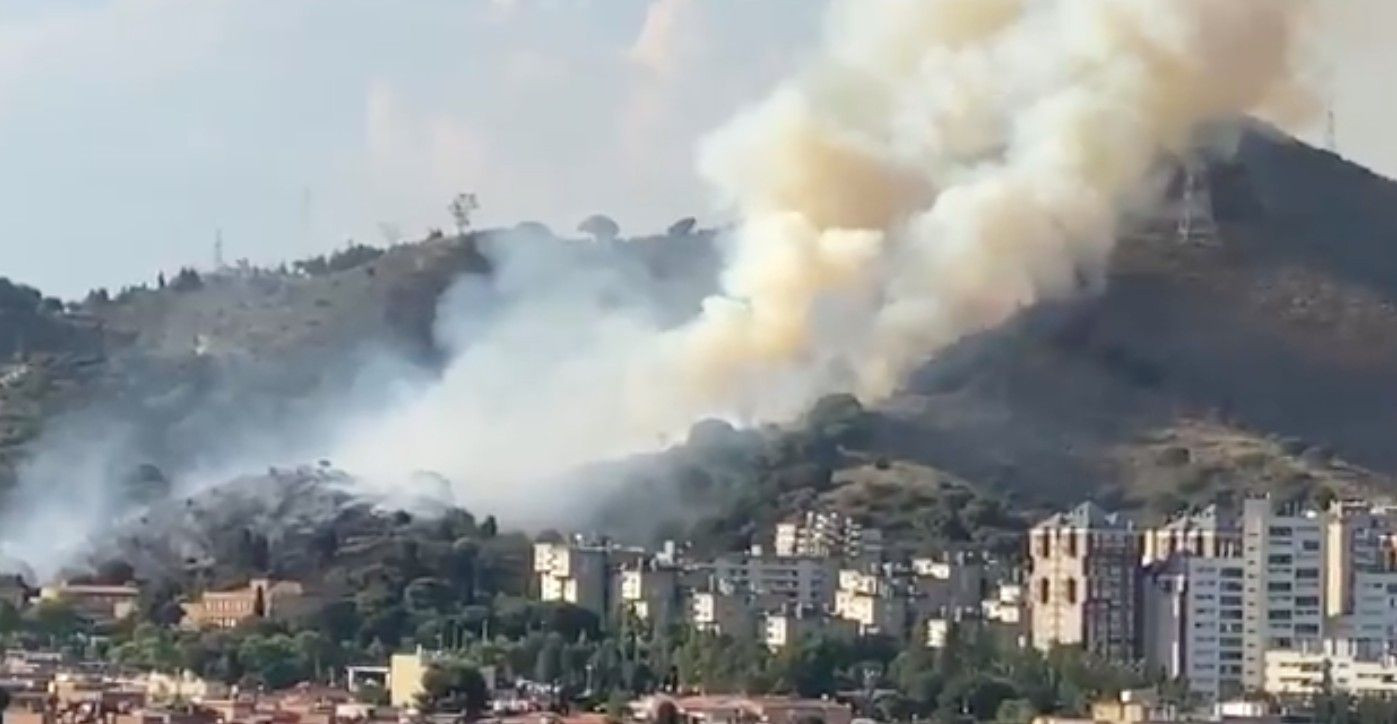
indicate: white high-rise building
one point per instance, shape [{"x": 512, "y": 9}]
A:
[
  {"x": 1284, "y": 556},
  {"x": 1194, "y": 631}
]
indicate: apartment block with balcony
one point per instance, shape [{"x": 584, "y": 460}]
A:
[
  {"x": 807, "y": 582},
  {"x": 1285, "y": 560},
  {"x": 828, "y": 534},
  {"x": 723, "y": 612},
  {"x": 1212, "y": 532},
  {"x": 1193, "y": 609},
  {"x": 1084, "y": 583},
  {"x": 652, "y": 592},
  {"x": 873, "y": 601},
  {"x": 574, "y": 573}
]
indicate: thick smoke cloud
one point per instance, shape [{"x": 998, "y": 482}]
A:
[
  {"x": 948, "y": 163},
  {"x": 943, "y": 164}
]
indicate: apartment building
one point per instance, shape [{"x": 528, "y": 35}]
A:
[
  {"x": 873, "y": 601},
  {"x": 13, "y": 591},
  {"x": 1193, "y": 609},
  {"x": 791, "y": 624},
  {"x": 808, "y": 581},
  {"x": 725, "y": 613},
  {"x": 652, "y": 592},
  {"x": 1370, "y": 626},
  {"x": 1209, "y": 533},
  {"x": 261, "y": 598},
  {"x": 828, "y": 534},
  {"x": 1306, "y": 673},
  {"x": 1085, "y": 582},
  {"x": 953, "y": 581},
  {"x": 580, "y": 572},
  {"x": 1284, "y": 554},
  {"x": 100, "y": 604},
  {"x": 1360, "y": 539}
]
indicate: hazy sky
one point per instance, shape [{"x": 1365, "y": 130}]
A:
[{"x": 130, "y": 130}]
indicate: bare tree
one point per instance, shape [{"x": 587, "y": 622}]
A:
[{"x": 461, "y": 209}]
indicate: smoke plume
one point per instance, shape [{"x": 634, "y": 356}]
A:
[
  {"x": 947, "y": 163},
  {"x": 940, "y": 166}
]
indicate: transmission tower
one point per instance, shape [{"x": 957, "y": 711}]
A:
[
  {"x": 1331, "y": 128},
  {"x": 1196, "y": 222}
]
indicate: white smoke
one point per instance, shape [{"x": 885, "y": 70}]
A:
[{"x": 943, "y": 164}]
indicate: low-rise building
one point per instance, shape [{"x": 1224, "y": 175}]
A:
[
  {"x": 726, "y": 613},
  {"x": 13, "y": 591},
  {"x": 874, "y": 602},
  {"x": 954, "y": 580},
  {"x": 261, "y": 598},
  {"x": 1006, "y": 606},
  {"x": 781, "y": 628},
  {"x": 162, "y": 688},
  {"x": 1291, "y": 672},
  {"x": 101, "y": 604},
  {"x": 405, "y": 672},
  {"x": 723, "y": 709}
]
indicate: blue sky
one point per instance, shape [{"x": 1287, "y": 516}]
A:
[{"x": 130, "y": 130}]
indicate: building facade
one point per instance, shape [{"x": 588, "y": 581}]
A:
[
  {"x": 828, "y": 534},
  {"x": 261, "y": 598},
  {"x": 808, "y": 582},
  {"x": 1084, "y": 583},
  {"x": 1284, "y": 556},
  {"x": 1193, "y": 611},
  {"x": 873, "y": 602}
]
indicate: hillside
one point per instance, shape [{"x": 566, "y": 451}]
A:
[{"x": 1262, "y": 358}]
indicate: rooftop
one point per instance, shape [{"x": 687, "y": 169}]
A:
[{"x": 1090, "y": 516}]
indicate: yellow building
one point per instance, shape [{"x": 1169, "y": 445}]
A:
[{"x": 261, "y": 598}]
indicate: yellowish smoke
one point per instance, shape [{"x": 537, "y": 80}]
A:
[{"x": 945, "y": 163}]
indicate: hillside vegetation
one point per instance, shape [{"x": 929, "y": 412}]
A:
[{"x": 1263, "y": 358}]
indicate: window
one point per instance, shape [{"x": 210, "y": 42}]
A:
[
  {"x": 1310, "y": 545},
  {"x": 1307, "y": 573},
  {"x": 1279, "y": 531},
  {"x": 1280, "y": 559},
  {"x": 1072, "y": 545},
  {"x": 1278, "y": 615},
  {"x": 1043, "y": 590},
  {"x": 1071, "y": 590},
  {"x": 1278, "y": 586},
  {"x": 1306, "y": 601}
]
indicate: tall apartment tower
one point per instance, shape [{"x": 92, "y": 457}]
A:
[
  {"x": 1284, "y": 607},
  {"x": 1194, "y": 608},
  {"x": 1084, "y": 587}
]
